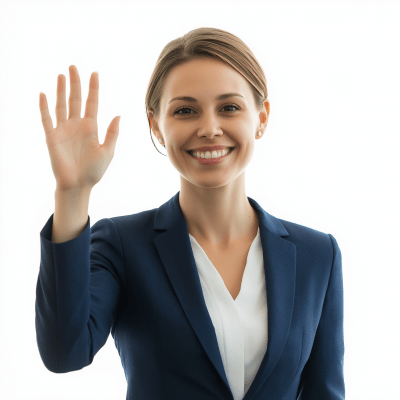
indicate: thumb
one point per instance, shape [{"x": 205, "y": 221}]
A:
[{"x": 112, "y": 135}]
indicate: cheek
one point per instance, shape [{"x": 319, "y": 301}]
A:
[
  {"x": 247, "y": 145},
  {"x": 179, "y": 159},
  {"x": 176, "y": 139}
]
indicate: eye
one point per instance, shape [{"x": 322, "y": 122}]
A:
[{"x": 186, "y": 108}]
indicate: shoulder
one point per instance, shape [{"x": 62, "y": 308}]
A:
[
  {"x": 138, "y": 219},
  {"x": 128, "y": 226},
  {"x": 310, "y": 241}
]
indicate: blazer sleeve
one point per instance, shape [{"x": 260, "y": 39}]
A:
[
  {"x": 323, "y": 372},
  {"x": 77, "y": 294}
]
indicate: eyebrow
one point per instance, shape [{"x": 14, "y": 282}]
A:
[{"x": 220, "y": 97}]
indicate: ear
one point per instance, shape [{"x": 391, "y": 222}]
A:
[
  {"x": 264, "y": 113},
  {"x": 154, "y": 126}
]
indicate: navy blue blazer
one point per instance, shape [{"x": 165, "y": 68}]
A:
[{"x": 136, "y": 276}]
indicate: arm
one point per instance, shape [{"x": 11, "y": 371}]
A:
[
  {"x": 77, "y": 295},
  {"x": 323, "y": 372}
]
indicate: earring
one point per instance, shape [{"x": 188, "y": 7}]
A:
[
  {"x": 160, "y": 140},
  {"x": 259, "y": 133}
]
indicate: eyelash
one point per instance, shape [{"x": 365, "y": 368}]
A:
[{"x": 187, "y": 108}]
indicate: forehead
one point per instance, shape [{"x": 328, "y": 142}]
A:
[{"x": 204, "y": 79}]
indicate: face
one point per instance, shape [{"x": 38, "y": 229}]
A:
[{"x": 185, "y": 125}]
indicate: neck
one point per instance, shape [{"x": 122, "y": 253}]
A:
[{"x": 219, "y": 215}]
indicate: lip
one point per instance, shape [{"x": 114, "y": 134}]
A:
[
  {"x": 210, "y": 148},
  {"x": 208, "y": 161}
]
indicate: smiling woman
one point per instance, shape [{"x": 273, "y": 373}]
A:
[
  {"x": 199, "y": 44},
  {"x": 207, "y": 296}
]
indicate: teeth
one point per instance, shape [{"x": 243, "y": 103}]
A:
[{"x": 208, "y": 154}]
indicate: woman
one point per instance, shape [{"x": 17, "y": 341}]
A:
[{"x": 207, "y": 296}]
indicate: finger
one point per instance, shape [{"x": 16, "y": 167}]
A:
[
  {"x": 92, "y": 102},
  {"x": 74, "y": 101},
  {"x": 61, "y": 105},
  {"x": 44, "y": 111},
  {"x": 112, "y": 135}
]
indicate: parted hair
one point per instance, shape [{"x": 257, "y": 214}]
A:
[{"x": 202, "y": 43}]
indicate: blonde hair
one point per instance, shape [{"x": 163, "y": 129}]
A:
[{"x": 202, "y": 43}]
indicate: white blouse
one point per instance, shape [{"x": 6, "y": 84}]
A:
[{"x": 241, "y": 325}]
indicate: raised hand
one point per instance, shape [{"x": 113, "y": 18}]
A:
[{"x": 78, "y": 160}]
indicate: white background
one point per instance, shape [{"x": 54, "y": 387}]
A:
[{"x": 329, "y": 158}]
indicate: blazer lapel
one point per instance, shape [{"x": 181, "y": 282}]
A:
[{"x": 279, "y": 255}]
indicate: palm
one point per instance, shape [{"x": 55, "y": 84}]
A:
[{"x": 77, "y": 158}]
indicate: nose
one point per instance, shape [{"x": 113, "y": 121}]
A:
[
  {"x": 209, "y": 129},
  {"x": 209, "y": 134}
]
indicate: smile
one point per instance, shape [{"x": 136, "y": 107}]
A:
[{"x": 210, "y": 160}]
